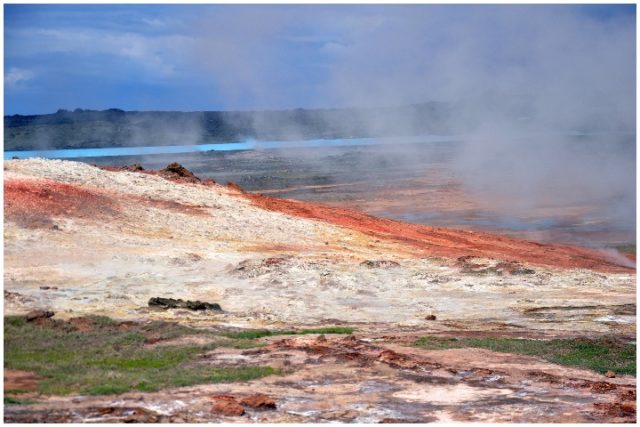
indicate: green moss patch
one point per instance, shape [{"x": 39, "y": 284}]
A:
[
  {"x": 111, "y": 359},
  {"x": 259, "y": 333},
  {"x": 600, "y": 355}
]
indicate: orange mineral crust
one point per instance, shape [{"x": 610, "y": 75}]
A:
[{"x": 443, "y": 242}]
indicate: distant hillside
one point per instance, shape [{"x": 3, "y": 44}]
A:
[{"x": 118, "y": 128}]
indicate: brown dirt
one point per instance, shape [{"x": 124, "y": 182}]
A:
[
  {"x": 20, "y": 380},
  {"x": 227, "y": 406},
  {"x": 259, "y": 401}
]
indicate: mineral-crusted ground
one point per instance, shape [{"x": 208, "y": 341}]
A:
[{"x": 80, "y": 241}]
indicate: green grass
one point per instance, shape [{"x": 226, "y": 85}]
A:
[
  {"x": 600, "y": 355},
  {"x": 259, "y": 333},
  {"x": 108, "y": 360},
  {"x": 15, "y": 401}
]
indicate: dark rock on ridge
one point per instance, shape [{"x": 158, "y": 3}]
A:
[{"x": 179, "y": 303}]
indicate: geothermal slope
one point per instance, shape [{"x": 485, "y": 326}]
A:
[{"x": 80, "y": 240}]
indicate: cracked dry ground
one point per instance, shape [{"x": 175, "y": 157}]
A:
[{"x": 81, "y": 240}]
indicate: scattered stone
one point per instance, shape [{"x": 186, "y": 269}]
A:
[
  {"x": 467, "y": 266},
  {"x": 379, "y": 264},
  {"x": 38, "y": 314},
  {"x": 274, "y": 261},
  {"x": 350, "y": 339},
  {"x": 617, "y": 409},
  {"x": 513, "y": 268},
  {"x": 16, "y": 297},
  {"x": 398, "y": 360},
  {"x": 55, "y": 227},
  {"x": 403, "y": 421},
  {"x": 179, "y": 303},
  {"x": 194, "y": 257},
  {"x": 430, "y": 317},
  {"x": 627, "y": 395},
  {"x": 602, "y": 387},
  {"x": 126, "y": 415},
  {"x": 343, "y": 415},
  {"x": 259, "y": 401},
  {"x": 250, "y": 268},
  {"x": 610, "y": 374}
]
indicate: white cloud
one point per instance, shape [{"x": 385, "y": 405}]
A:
[
  {"x": 17, "y": 76},
  {"x": 156, "y": 56}
]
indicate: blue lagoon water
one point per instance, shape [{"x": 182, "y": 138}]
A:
[{"x": 73, "y": 153}]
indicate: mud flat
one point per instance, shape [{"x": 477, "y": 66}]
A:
[{"x": 83, "y": 241}]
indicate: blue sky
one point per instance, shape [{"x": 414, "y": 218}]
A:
[{"x": 212, "y": 57}]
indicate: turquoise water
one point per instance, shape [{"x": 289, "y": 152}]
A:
[{"x": 73, "y": 153}]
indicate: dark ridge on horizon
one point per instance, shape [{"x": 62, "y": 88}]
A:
[{"x": 114, "y": 127}]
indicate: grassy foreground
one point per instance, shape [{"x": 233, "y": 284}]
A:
[
  {"x": 600, "y": 355},
  {"x": 108, "y": 359}
]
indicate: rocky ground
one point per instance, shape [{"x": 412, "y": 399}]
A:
[{"x": 80, "y": 240}]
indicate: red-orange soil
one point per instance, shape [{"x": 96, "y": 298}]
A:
[
  {"x": 34, "y": 202},
  {"x": 450, "y": 243}
]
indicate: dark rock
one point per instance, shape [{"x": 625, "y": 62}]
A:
[
  {"x": 201, "y": 305},
  {"x": 179, "y": 170},
  {"x": 179, "y": 303},
  {"x": 232, "y": 185},
  {"x": 38, "y": 314},
  {"x": 430, "y": 317},
  {"x": 164, "y": 302}
]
